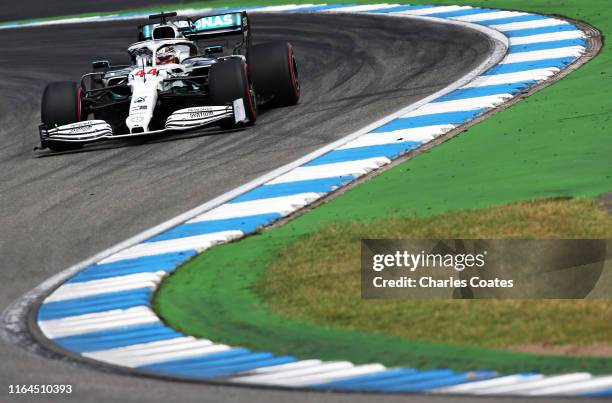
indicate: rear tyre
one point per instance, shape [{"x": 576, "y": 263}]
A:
[
  {"x": 228, "y": 80},
  {"x": 61, "y": 105},
  {"x": 275, "y": 73}
]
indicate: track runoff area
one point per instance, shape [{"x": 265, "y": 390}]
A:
[{"x": 103, "y": 312}]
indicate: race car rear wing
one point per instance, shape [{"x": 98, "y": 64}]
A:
[
  {"x": 220, "y": 24},
  {"x": 210, "y": 30},
  {"x": 221, "y": 29}
]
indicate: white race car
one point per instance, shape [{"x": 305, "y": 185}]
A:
[{"x": 183, "y": 75}]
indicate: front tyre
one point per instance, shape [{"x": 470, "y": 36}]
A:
[
  {"x": 61, "y": 105},
  {"x": 275, "y": 73},
  {"x": 228, "y": 80}
]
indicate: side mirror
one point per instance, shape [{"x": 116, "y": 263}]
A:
[
  {"x": 213, "y": 49},
  {"x": 99, "y": 64}
]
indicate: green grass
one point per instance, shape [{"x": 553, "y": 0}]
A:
[
  {"x": 303, "y": 283},
  {"x": 554, "y": 144}
]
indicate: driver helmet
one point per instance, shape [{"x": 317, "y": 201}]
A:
[{"x": 167, "y": 55}]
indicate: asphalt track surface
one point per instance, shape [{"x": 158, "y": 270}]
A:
[{"x": 58, "y": 209}]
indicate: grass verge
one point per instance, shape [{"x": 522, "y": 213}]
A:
[
  {"x": 556, "y": 143},
  {"x": 216, "y": 296},
  {"x": 303, "y": 281}
]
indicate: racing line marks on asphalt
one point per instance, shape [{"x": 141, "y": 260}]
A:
[{"x": 103, "y": 312}]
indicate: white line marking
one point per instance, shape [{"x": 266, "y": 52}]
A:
[
  {"x": 285, "y": 367},
  {"x": 282, "y": 205},
  {"x": 355, "y": 168},
  {"x": 460, "y": 105},
  {"x": 555, "y": 36},
  {"x": 181, "y": 340},
  {"x": 520, "y": 76},
  {"x": 533, "y": 384},
  {"x": 276, "y": 377},
  {"x": 570, "y": 51},
  {"x": 515, "y": 26},
  {"x": 135, "y": 361},
  {"x": 186, "y": 343},
  {"x": 494, "y": 15},
  {"x": 330, "y": 376},
  {"x": 287, "y": 7},
  {"x": 574, "y": 388},
  {"x": 106, "y": 285},
  {"x": 138, "y": 352},
  {"x": 419, "y": 134},
  {"x": 359, "y": 9},
  {"x": 98, "y": 321},
  {"x": 471, "y": 387},
  {"x": 198, "y": 242},
  {"x": 433, "y": 10}
]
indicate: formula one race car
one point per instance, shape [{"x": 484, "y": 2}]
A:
[{"x": 184, "y": 74}]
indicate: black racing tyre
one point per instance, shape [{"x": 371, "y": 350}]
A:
[
  {"x": 61, "y": 105},
  {"x": 229, "y": 80},
  {"x": 274, "y": 71}
]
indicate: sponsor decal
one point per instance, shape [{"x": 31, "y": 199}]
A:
[
  {"x": 140, "y": 100},
  {"x": 141, "y": 73},
  {"x": 217, "y": 21},
  {"x": 136, "y": 119},
  {"x": 80, "y": 129},
  {"x": 199, "y": 108},
  {"x": 200, "y": 114}
]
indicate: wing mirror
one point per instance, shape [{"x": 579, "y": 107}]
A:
[
  {"x": 213, "y": 49},
  {"x": 98, "y": 64}
]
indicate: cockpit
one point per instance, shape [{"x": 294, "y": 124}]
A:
[{"x": 160, "y": 52}]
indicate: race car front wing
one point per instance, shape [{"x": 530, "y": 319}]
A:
[{"x": 183, "y": 119}]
